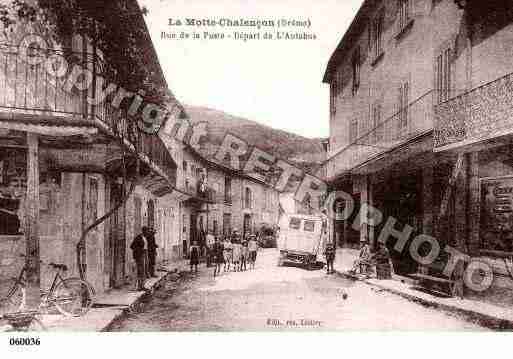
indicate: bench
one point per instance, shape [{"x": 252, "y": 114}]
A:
[{"x": 447, "y": 286}]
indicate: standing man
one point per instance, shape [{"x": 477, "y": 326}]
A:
[
  {"x": 152, "y": 250},
  {"x": 194, "y": 256},
  {"x": 139, "y": 249},
  {"x": 210, "y": 239}
]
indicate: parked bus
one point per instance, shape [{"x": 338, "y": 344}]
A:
[{"x": 300, "y": 240}]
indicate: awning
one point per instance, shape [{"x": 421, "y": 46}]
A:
[
  {"x": 49, "y": 130},
  {"x": 413, "y": 147}
]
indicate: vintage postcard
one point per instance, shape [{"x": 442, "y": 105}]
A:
[{"x": 255, "y": 166}]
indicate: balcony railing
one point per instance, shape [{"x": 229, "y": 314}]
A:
[
  {"x": 415, "y": 119},
  {"x": 480, "y": 114},
  {"x": 30, "y": 89}
]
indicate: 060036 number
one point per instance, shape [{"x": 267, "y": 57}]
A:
[{"x": 24, "y": 341}]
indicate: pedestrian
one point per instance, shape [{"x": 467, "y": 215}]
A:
[
  {"x": 236, "y": 252},
  {"x": 244, "y": 255},
  {"x": 363, "y": 263},
  {"x": 139, "y": 249},
  {"x": 384, "y": 267},
  {"x": 194, "y": 256},
  {"x": 210, "y": 239},
  {"x": 152, "y": 251},
  {"x": 253, "y": 248},
  {"x": 329, "y": 253},
  {"x": 218, "y": 256},
  {"x": 227, "y": 253}
]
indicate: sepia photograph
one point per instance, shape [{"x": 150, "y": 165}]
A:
[{"x": 198, "y": 167}]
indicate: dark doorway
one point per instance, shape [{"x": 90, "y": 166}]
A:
[
  {"x": 193, "y": 233},
  {"x": 151, "y": 213},
  {"x": 343, "y": 232},
  {"x": 400, "y": 198}
]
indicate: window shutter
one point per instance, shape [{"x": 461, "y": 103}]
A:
[{"x": 406, "y": 97}]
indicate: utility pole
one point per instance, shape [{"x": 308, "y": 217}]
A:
[{"x": 33, "y": 277}]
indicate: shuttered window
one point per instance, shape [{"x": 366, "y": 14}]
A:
[
  {"x": 403, "y": 115},
  {"x": 376, "y": 123},
  {"x": 443, "y": 76},
  {"x": 404, "y": 14}
]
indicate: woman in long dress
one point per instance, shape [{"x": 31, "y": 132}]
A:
[{"x": 237, "y": 252}]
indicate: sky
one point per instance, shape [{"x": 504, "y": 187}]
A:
[{"x": 274, "y": 82}]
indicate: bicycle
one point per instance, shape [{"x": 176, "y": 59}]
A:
[{"x": 72, "y": 297}]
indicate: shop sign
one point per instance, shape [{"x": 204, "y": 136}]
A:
[{"x": 497, "y": 214}]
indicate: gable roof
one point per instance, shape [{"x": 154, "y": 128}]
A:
[{"x": 357, "y": 27}]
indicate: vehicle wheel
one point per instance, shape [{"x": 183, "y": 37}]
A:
[
  {"x": 14, "y": 299},
  {"x": 73, "y": 297}
]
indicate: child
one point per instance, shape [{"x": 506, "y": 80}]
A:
[
  {"x": 252, "y": 248},
  {"x": 227, "y": 253},
  {"x": 237, "y": 251},
  {"x": 329, "y": 253},
  {"x": 244, "y": 255}
]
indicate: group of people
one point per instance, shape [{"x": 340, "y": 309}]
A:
[
  {"x": 380, "y": 259},
  {"x": 233, "y": 252},
  {"x": 144, "y": 252}
]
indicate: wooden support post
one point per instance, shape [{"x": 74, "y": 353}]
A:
[
  {"x": 364, "y": 191},
  {"x": 474, "y": 212},
  {"x": 427, "y": 201},
  {"x": 460, "y": 207},
  {"x": 370, "y": 200},
  {"x": 33, "y": 274}
]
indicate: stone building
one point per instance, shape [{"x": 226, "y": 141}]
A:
[
  {"x": 419, "y": 124},
  {"x": 64, "y": 163}
]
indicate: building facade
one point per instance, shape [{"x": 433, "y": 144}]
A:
[
  {"x": 66, "y": 163},
  {"x": 418, "y": 93}
]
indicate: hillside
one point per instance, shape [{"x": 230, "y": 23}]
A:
[{"x": 305, "y": 152}]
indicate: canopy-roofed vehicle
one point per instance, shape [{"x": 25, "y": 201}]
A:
[{"x": 300, "y": 239}]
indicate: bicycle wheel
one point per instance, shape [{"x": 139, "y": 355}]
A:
[
  {"x": 13, "y": 299},
  {"x": 35, "y": 325},
  {"x": 72, "y": 297}
]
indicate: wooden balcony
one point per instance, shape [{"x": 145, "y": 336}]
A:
[
  {"x": 482, "y": 114},
  {"x": 394, "y": 131},
  {"x": 29, "y": 94}
]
